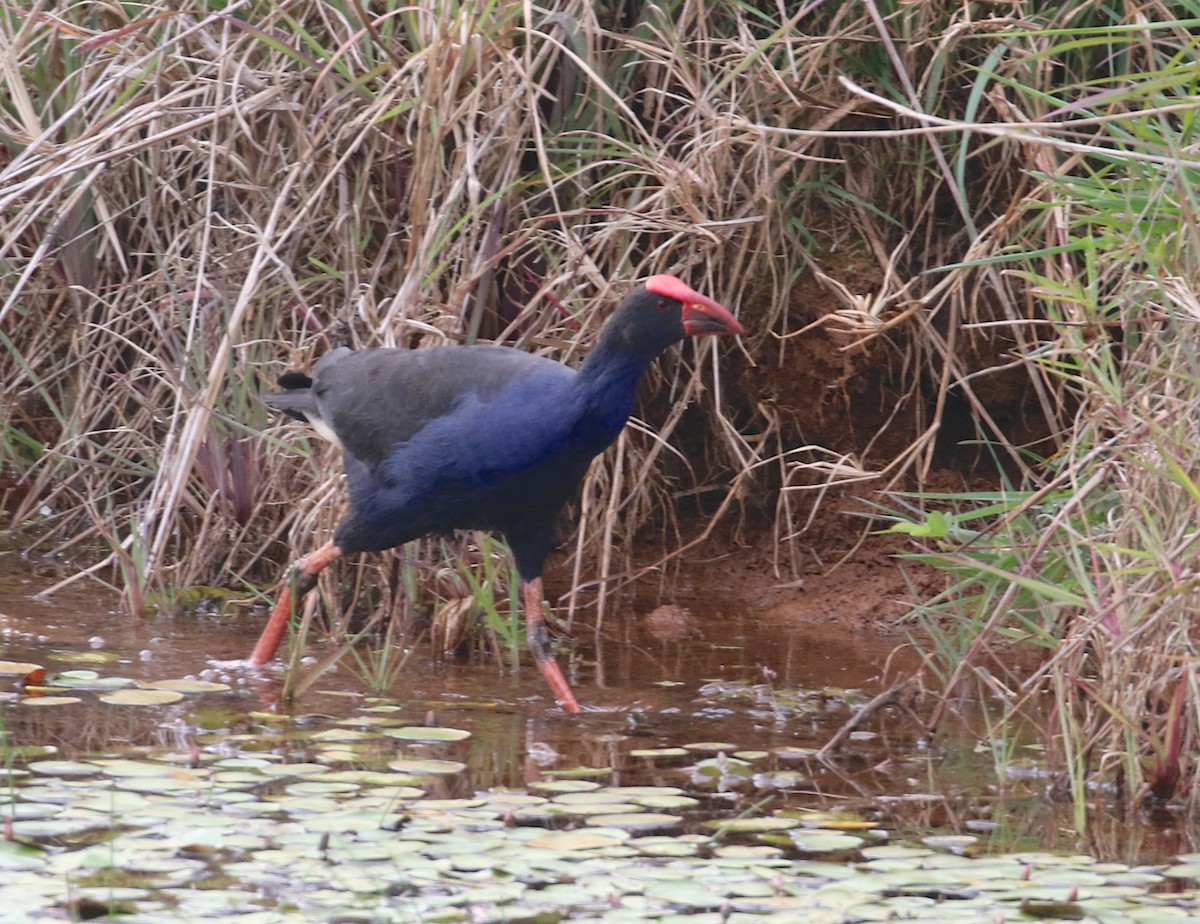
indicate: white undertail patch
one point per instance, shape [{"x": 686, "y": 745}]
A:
[{"x": 324, "y": 430}]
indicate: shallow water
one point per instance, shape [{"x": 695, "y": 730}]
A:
[
  {"x": 639, "y": 691},
  {"x": 768, "y": 693},
  {"x": 724, "y": 676}
]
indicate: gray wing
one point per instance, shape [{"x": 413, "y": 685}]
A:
[{"x": 373, "y": 399}]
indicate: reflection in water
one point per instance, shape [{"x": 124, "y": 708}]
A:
[{"x": 708, "y": 674}]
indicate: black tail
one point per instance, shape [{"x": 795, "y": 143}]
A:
[
  {"x": 293, "y": 381},
  {"x": 297, "y": 401}
]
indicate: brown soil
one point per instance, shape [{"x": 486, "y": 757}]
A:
[
  {"x": 850, "y": 578},
  {"x": 845, "y": 575},
  {"x": 870, "y": 399}
]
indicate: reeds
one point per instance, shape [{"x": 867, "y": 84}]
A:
[
  {"x": 1087, "y": 557},
  {"x": 195, "y": 199},
  {"x": 983, "y": 234}
]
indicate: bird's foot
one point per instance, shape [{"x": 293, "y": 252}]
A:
[
  {"x": 559, "y": 686},
  {"x": 301, "y": 579},
  {"x": 539, "y": 645}
]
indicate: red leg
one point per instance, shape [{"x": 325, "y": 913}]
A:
[
  {"x": 303, "y": 577},
  {"x": 535, "y": 627}
]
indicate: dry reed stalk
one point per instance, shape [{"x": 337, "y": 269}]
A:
[{"x": 193, "y": 200}]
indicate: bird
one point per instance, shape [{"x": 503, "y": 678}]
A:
[{"x": 483, "y": 436}]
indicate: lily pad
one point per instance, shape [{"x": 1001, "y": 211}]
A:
[
  {"x": 20, "y": 668},
  {"x": 956, "y": 843},
  {"x": 752, "y": 825},
  {"x": 895, "y": 852},
  {"x": 574, "y": 840},
  {"x": 659, "y": 753},
  {"x": 816, "y": 840},
  {"x": 90, "y": 680},
  {"x": 84, "y": 657},
  {"x": 49, "y": 700},
  {"x": 64, "y": 768},
  {"x": 564, "y": 786},
  {"x": 427, "y": 733},
  {"x": 645, "y": 821},
  {"x": 579, "y": 773},
  {"x": 685, "y": 893},
  {"x": 427, "y": 767},
  {"x": 141, "y": 697}
]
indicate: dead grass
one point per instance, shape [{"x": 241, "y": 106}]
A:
[
  {"x": 194, "y": 199},
  {"x": 229, "y": 193}
]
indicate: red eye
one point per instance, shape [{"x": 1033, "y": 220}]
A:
[{"x": 662, "y": 305}]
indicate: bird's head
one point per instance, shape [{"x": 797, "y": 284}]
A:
[{"x": 663, "y": 310}]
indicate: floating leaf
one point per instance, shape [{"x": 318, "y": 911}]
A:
[
  {"x": 141, "y": 697},
  {"x": 1183, "y": 871},
  {"x": 585, "y": 809},
  {"x": 64, "y": 768},
  {"x": 49, "y": 700},
  {"x": 666, "y": 801},
  {"x": 20, "y": 668},
  {"x": 298, "y": 769},
  {"x": 658, "y": 753},
  {"x": 840, "y": 821},
  {"x": 428, "y": 767},
  {"x": 317, "y": 787},
  {"x": 17, "y": 856},
  {"x": 24, "y": 752},
  {"x": 647, "y": 821},
  {"x": 794, "y": 753},
  {"x": 162, "y": 785},
  {"x": 747, "y": 852},
  {"x": 589, "y": 797},
  {"x": 579, "y": 773},
  {"x": 722, "y": 766},
  {"x": 816, "y": 840},
  {"x": 90, "y": 680},
  {"x": 1060, "y": 911},
  {"x": 564, "y": 786},
  {"x": 340, "y": 736},
  {"x": 752, "y": 825},
  {"x": 120, "y": 767},
  {"x": 953, "y": 842},
  {"x": 573, "y": 840},
  {"x": 84, "y": 657},
  {"x": 427, "y": 733},
  {"x": 370, "y": 721},
  {"x": 895, "y": 852},
  {"x": 24, "y": 810},
  {"x": 685, "y": 893}
]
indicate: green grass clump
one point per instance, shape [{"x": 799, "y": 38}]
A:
[{"x": 1088, "y": 558}]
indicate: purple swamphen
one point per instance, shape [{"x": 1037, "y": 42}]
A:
[{"x": 478, "y": 437}]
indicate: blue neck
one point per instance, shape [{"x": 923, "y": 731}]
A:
[{"x": 609, "y": 378}]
